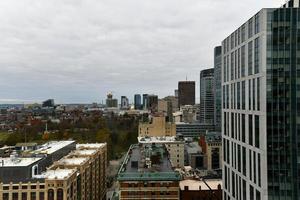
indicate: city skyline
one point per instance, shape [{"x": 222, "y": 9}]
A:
[{"x": 77, "y": 52}]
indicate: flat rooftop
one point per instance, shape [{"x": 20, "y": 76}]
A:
[
  {"x": 84, "y": 152},
  {"x": 17, "y": 162},
  {"x": 162, "y": 140},
  {"x": 58, "y": 173},
  {"x": 196, "y": 184},
  {"x": 92, "y": 145},
  {"x": 136, "y": 164},
  {"x": 53, "y": 146},
  {"x": 73, "y": 161}
]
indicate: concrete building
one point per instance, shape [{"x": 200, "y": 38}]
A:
[
  {"x": 260, "y": 107},
  {"x": 193, "y": 130},
  {"x": 124, "y": 103},
  {"x": 146, "y": 173},
  {"x": 211, "y": 145},
  {"x": 174, "y": 146},
  {"x": 186, "y": 93},
  {"x": 32, "y": 174},
  {"x": 174, "y": 102},
  {"x": 194, "y": 156},
  {"x": 204, "y": 189},
  {"x": 152, "y": 103},
  {"x": 110, "y": 102},
  {"x": 137, "y": 102},
  {"x": 165, "y": 107},
  {"x": 157, "y": 126},
  {"x": 218, "y": 87},
  {"x": 207, "y": 98}
]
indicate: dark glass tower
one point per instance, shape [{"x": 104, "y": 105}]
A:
[
  {"x": 186, "y": 93},
  {"x": 207, "y": 96},
  {"x": 217, "y": 87}
]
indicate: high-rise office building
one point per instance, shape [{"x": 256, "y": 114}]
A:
[
  {"x": 110, "y": 102},
  {"x": 152, "y": 103},
  {"x": 218, "y": 87},
  {"x": 124, "y": 102},
  {"x": 260, "y": 115},
  {"x": 137, "y": 102},
  {"x": 145, "y": 101},
  {"x": 186, "y": 93},
  {"x": 207, "y": 96}
]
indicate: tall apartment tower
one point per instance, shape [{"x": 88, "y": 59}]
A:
[
  {"x": 186, "y": 93},
  {"x": 207, "y": 96},
  {"x": 218, "y": 87},
  {"x": 261, "y": 107},
  {"x": 137, "y": 101}
]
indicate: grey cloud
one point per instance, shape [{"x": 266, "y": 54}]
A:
[{"x": 77, "y": 50}]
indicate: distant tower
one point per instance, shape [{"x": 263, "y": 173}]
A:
[{"x": 186, "y": 93}]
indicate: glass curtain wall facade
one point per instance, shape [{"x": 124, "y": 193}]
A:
[{"x": 261, "y": 107}]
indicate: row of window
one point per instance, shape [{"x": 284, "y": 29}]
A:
[
  {"x": 234, "y": 95},
  {"x": 15, "y": 196},
  {"x": 234, "y": 64},
  {"x": 23, "y": 187},
  {"x": 237, "y": 130},
  {"x": 239, "y": 36},
  {"x": 237, "y": 187}
]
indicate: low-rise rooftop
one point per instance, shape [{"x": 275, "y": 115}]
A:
[
  {"x": 53, "y": 146},
  {"x": 17, "y": 161},
  {"x": 164, "y": 139},
  {"x": 59, "y": 173},
  {"x": 148, "y": 162},
  {"x": 84, "y": 152},
  {"x": 72, "y": 161},
  {"x": 91, "y": 145},
  {"x": 203, "y": 184}
]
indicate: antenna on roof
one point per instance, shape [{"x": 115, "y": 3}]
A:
[{"x": 186, "y": 77}]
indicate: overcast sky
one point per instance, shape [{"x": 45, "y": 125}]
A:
[{"x": 78, "y": 50}]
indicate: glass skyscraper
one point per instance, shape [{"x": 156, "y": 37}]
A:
[{"x": 261, "y": 107}]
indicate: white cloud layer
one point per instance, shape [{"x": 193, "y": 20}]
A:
[{"x": 78, "y": 50}]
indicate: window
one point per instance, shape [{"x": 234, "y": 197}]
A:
[
  {"x": 249, "y": 94},
  {"x": 256, "y": 27},
  {"x": 5, "y": 196},
  {"x": 244, "y": 190},
  {"x": 243, "y": 128},
  {"x": 244, "y": 160},
  {"x": 250, "y": 128},
  {"x": 250, "y": 164},
  {"x": 32, "y": 196},
  {"x": 239, "y": 158},
  {"x": 251, "y": 192},
  {"x": 24, "y": 195},
  {"x": 243, "y": 61},
  {"x": 250, "y": 28},
  {"x": 257, "y": 195},
  {"x": 15, "y": 196},
  {"x": 258, "y": 94},
  {"x": 257, "y": 131},
  {"x": 233, "y": 184},
  {"x": 243, "y": 96},
  {"x": 224, "y": 69},
  {"x": 243, "y": 33},
  {"x": 254, "y": 166},
  {"x": 256, "y": 56},
  {"x": 238, "y": 96},
  {"x": 259, "y": 170},
  {"x": 250, "y": 58},
  {"x": 253, "y": 94},
  {"x": 232, "y": 65},
  {"x": 42, "y": 195}
]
